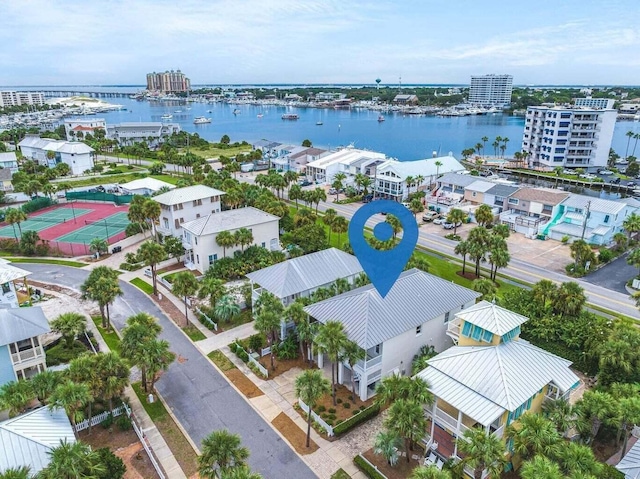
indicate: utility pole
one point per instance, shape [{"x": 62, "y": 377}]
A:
[{"x": 586, "y": 218}]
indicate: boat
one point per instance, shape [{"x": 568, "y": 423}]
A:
[
  {"x": 290, "y": 116},
  {"x": 209, "y": 111},
  {"x": 236, "y": 111},
  {"x": 260, "y": 115},
  {"x": 381, "y": 118},
  {"x": 166, "y": 117},
  {"x": 319, "y": 123},
  {"x": 178, "y": 111},
  {"x": 200, "y": 120}
]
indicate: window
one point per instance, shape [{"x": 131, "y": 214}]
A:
[
  {"x": 165, "y": 222},
  {"x": 177, "y": 223},
  {"x": 513, "y": 201},
  {"x": 606, "y": 220},
  {"x": 377, "y": 349},
  {"x": 212, "y": 258},
  {"x": 6, "y": 287},
  {"x": 446, "y": 317},
  {"x": 196, "y": 203},
  {"x": 418, "y": 330},
  {"x": 198, "y": 258},
  {"x": 264, "y": 245},
  {"x": 196, "y": 240},
  {"x": 473, "y": 194}
]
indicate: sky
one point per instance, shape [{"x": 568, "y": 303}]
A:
[{"x": 108, "y": 42}]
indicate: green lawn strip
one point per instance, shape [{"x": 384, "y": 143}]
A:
[
  {"x": 61, "y": 262},
  {"x": 194, "y": 333},
  {"x": 340, "y": 474},
  {"x": 142, "y": 285},
  {"x": 237, "y": 320},
  {"x": 213, "y": 152},
  {"x": 102, "y": 180},
  {"x": 220, "y": 360},
  {"x": 110, "y": 337},
  {"x": 172, "y": 180},
  {"x": 179, "y": 445}
]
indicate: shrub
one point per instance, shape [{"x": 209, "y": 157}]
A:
[
  {"x": 132, "y": 229},
  {"x": 339, "y": 401},
  {"x": 565, "y": 239},
  {"x": 233, "y": 347},
  {"x": 358, "y": 418},
  {"x": 321, "y": 409},
  {"x": 366, "y": 468},
  {"x": 288, "y": 349},
  {"x": 114, "y": 468},
  {"x": 129, "y": 167},
  {"x": 605, "y": 255},
  {"x": 123, "y": 422},
  {"x": 130, "y": 266},
  {"x": 346, "y": 405},
  {"x": 37, "y": 204},
  {"x": 331, "y": 410},
  {"x": 256, "y": 342},
  {"x": 108, "y": 422}
]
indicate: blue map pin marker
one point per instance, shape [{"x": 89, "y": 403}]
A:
[{"x": 383, "y": 267}]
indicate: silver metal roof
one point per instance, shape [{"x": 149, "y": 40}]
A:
[
  {"x": 147, "y": 183},
  {"x": 457, "y": 179},
  {"x": 480, "y": 186},
  {"x": 17, "y": 324},
  {"x": 228, "y": 220},
  {"x": 609, "y": 207},
  {"x": 9, "y": 272},
  {"x": 306, "y": 272},
  {"x": 186, "y": 194},
  {"x": 502, "y": 190},
  {"x": 492, "y": 317},
  {"x": 25, "y": 440},
  {"x": 507, "y": 374},
  {"x": 630, "y": 464},
  {"x": 415, "y": 298}
]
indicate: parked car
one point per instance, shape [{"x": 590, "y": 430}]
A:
[
  {"x": 568, "y": 172},
  {"x": 430, "y": 216},
  {"x": 615, "y": 181},
  {"x": 588, "y": 176},
  {"x": 333, "y": 191},
  {"x": 606, "y": 172},
  {"x": 305, "y": 183},
  {"x": 367, "y": 198},
  {"x": 439, "y": 221},
  {"x": 632, "y": 184},
  {"x": 405, "y": 204},
  {"x": 449, "y": 226}
]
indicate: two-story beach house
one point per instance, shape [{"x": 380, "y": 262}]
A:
[
  {"x": 416, "y": 312},
  {"x": 9, "y": 274},
  {"x": 21, "y": 354},
  {"x": 186, "y": 204},
  {"x": 528, "y": 210},
  {"x": 496, "y": 196},
  {"x": 47, "y": 152},
  {"x": 593, "y": 219},
  {"x": 199, "y": 236},
  {"x": 449, "y": 192},
  {"x": 490, "y": 378}
]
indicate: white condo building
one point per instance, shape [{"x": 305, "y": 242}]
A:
[
  {"x": 17, "y": 98},
  {"x": 574, "y": 137},
  {"x": 604, "y": 103},
  {"x": 491, "y": 90}
]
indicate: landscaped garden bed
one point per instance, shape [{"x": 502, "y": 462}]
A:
[
  {"x": 401, "y": 470},
  {"x": 296, "y": 436}
]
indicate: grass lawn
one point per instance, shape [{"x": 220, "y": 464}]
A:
[
  {"x": 142, "y": 284},
  {"x": 212, "y": 152},
  {"x": 242, "y": 318},
  {"x": 110, "y": 337},
  {"x": 61, "y": 354},
  {"x": 340, "y": 474},
  {"x": 181, "y": 448},
  {"x": 101, "y": 180},
  {"x": 220, "y": 360},
  {"x": 172, "y": 180},
  {"x": 61, "y": 262},
  {"x": 194, "y": 333}
]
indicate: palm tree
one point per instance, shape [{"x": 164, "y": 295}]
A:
[
  {"x": 629, "y": 135},
  {"x": 225, "y": 240},
  {"x": 406, "y": 418},
  {"x": 72, "y": 397},
  {"x": 329, "y": 215},
  {"x": 243, "y": 237},
  {"x": 102, "y": 286},
  {"x": 15, "y": 216},
  {"x": 152, "y": 253},
  {"x": 635, "y": 137},
  {"x": 387, "y": 444},
  {"x": 22, "y": 472},
  {"x": 226, "y": 308},
  {"x": 628, "y": 415},
  {"x": 268, "y": 323},
  {"x": 577, "y": 460},
  {"x": 330, "y": 340},
  {"x": 241, "y": 472},
  {"x": 140, "y": 329},
  {"x": 484, "y": 143},
  {"x": 485, "y": 287},
  {"x": 409, "y": 181},
  {"x": 569, "y": 299},
  {"x": 155, "y": 357},
  {"x": 184, "y": 285},
  {"x": 310, "y": 386},
  {"x": 560, "y": 413},
  {"x": 462, "y": 248},
  {"x": 352, "y": 353},
  {"x": 495, "y": 145},
  {"x": 631, "y": 224},
  {"x": 621, "y": 241},
  {"x": 634, "y": 258},
  {"x": 114, "y": 373},
  {"x": 395, "y": 223},
  {"x": 540, "y": 467},
  {"x": 99, "y": 246},
  {"x": 533, "y": 435},
  {"x": 416, "y": 206},
  {"x": 83, "y": 370},
  {"x": 43, "y": 384},
  {"x": 482, "y": 451},
  {"x": 340, "y": 225},
  {"x": 429, "y": 472},
  {"x": 221, "y": 452},
  {"x": 73, "y": 461},
  {"x": 212, "y": 288},
  {"x": 15, "y": 396},
  {"x": 456, "y": 216},
  {"x": 593, "y": 410},
  {"x": 499, "y": 257},
  {"x": 484, "y": 215},
  {"x": 70, "y": 325}
]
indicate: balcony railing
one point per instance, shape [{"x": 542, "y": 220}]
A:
[
  {"x": 446, "y": 421},
  {"x": 453, "y": 330},
  {"x": 369, "y": 365},
  {"x": 27, "y": 355}
]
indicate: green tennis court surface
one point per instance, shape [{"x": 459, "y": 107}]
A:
[
  {"x": 103, "y": 229},
  {"x": 44, "y": 221}
]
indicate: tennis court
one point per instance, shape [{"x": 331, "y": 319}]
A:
[
  {"x": 45, "y": 220},
  {"x": 98, "y": 228}
]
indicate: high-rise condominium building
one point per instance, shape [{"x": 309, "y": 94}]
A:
[
  {"x": 595, "y": 102},
  {"x": 573, "y": 137},
  {"x": 17, "y": 98},
  {"x": 168, "y": 82},
  {"x": 491, "y": 90}
]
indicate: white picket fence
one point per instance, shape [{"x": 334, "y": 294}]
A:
[
  {"x": 265, "y": 351},
  {"x": 207, "y": 318},
  {"x": 143, "y": 440},
  {"x": 98, "y": 418},
  {"x": 253, "y": 361},
  {"x": 316, "y": 418},
  {"x": 372, "y": 465}
]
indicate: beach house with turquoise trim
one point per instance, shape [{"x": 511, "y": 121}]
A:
[{"x": 489, "y": 378}]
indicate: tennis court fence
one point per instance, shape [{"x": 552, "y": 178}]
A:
[{"x": 99, "y": 196}]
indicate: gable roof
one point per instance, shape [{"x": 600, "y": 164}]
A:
[
  {"x": 492, "y": 317},
  {"x": 415, "y": 298},
  {"x": 17, "y": 324},
  {"x": 609, "y": 207},
  {"x": 425, "y": 167},
  {"x": 74, "y": 148},
  {"x": 25, "y": 440},
  {"x": 152, "y": 184},
  {"x": 502, "y": 190},
  {"x": 540, "y": 195},
  {"x": 457, "y": 179},
  {"x": 5, "y": 174},
  {"x": 8, "y": 156},
  {"x": 630, "y": 463},
  {"x": 9, "y": 272},
  {"x": 228, "y": 220},
  {"x": 306, "y": 272},
  {"x": 507, "y": 374},
  {"x": 480, "y": 186},
  {"x": 188, "y": 193}
]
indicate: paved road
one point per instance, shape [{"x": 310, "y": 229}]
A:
[
  {"x": 201, "y": 399},
  {"x": 614, "y": 276}
]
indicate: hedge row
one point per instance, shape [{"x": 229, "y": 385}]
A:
[
  {"x": 368, "y": 470},
  {"x": 358, "y": 418}
]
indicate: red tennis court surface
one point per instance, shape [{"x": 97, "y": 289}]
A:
[{"x": 87, "y": 213}]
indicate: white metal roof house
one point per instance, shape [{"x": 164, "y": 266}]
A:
[
  {"x": 8, "y": 160},
  {"x": 76, "y": 154},
  {"x": 26, "y": 440},
  {"x": 490, "y": 378},
  {"x": 182, "y": 205},
  {"x": 199, "y": 236},
  {"x": 21, "y": 354},
  {"x": 391, "y": 330},
  {"x": 630, "y": 463},
  {"x": 347, "y": 160},
  {"x": 145, "y": 186},
  {"x": 9, "y": 274}
]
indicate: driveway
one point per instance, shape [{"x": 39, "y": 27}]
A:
[
  {"x": 613, "y": 276},
  {"x": 201, "y": 399}
]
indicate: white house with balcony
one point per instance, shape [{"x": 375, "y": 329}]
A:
[
  {"x": 349, "y": 161},
  {"x": 199, "y": 236},
  {"x": 9, "y": 274},
  {"x": 489, "y": 378},
  {"x": 76, "y": 154},
  {"x": 9, "y": 161},
  {"x": 21, "y": 354},
  {"x": 392, "y": 330},
  {"x": 183, "y": 205}
]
